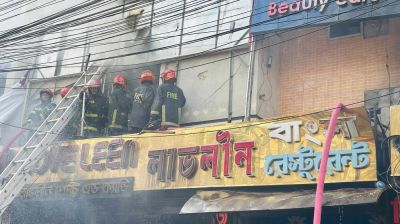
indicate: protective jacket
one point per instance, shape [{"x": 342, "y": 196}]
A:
[
  {"x": 143, "y": 97},
  {"x": 96, "y": 109},
  {"x": 168, "y": 103},
  {"x": 120, "y": 106},
  {"x": 40, "y": 113}
]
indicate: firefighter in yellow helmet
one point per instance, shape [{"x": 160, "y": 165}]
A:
[
  {"x": 143, "y": 97},
  {"x": 167, "y": 104},
  {"x": 120, "y": 106}
]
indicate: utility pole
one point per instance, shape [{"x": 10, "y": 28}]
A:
[{"x": 250, "y": 78}]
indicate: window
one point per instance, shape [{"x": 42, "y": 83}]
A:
[
  {"x": 346, "y": 29},
  {"x": 375, "y": 28}
]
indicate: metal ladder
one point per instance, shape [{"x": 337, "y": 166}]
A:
[{"x": 17, "y": 174}]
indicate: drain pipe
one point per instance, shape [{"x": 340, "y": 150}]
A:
[{"x": 250, "y": 78}]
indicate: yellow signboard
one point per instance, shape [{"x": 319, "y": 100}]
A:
[
  {"x": 278, "y": 151},
  {"x": 394, "y": 131}
]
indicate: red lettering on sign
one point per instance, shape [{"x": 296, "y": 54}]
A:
[
  {"x": 224, "y": 138},
  {"x": 283, "y": 8},
  {"x": 294, "y": 7},
  {"x": 210, "y": 159},
  {"x": 221, "y": 218},
  {"x": 244, "y": 153},
  {"x": 272, "y": 9}
]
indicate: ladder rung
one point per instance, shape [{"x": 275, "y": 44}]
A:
[
  {"x": 53, "y": 120},
  {"x": 19, "y": 161},
  {"x": 72, "y": 96},
  {"x": 31, "y": 147},
  {"x": 80, "y": 85},
  {"x": 62, "y": 108}
]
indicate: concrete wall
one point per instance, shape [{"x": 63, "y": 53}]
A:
[{"x": 207, "y": 87}]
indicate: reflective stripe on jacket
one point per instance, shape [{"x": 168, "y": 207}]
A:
[
  {"x": 120, "y": 106},
  {"x": 96, "y": 109},
  {"x": 168, "y": 103}
]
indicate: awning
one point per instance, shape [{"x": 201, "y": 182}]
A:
[{"x": 235, "y": 201}]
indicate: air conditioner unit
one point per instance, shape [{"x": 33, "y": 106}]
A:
[
  {"x": 133, "y": 20},
  {"x": 132, "y": 17}
]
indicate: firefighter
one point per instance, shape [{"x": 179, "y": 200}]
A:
[
  {"x": 96, "y": 109},
  {"x": 143, "y": 97},
  {"x": 41, "y": 111},
  {"x": 120, "y": 106},
  {"x": 168, "y": 102}
]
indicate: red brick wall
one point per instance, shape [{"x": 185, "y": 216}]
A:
[{"x": 316, "y": 72}]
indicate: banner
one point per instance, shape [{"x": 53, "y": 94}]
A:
[{"x": 270, "y": 152}]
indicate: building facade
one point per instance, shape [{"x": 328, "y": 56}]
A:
[{"x": 306, "y": 60}]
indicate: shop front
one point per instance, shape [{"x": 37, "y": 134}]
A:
[{"x": 254, "y": 172}]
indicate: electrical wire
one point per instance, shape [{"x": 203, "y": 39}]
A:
[
  {"x": 207, "y": 63},
  {"x": 199, "y": 24},
  {"x": 43, "y": 29},
  {"x": 254, "y": 49},
  {"x": 31, "y": 10},
  {"x": 48, "y": 19},
  {"x": 118, "y": 35},
  {"x": 15, "y": 4},
  {"x": 211, "y": 21},
  {"x": 21, "y": 6},
  {"x": 123, "y": 20},
  {"x": 112, "y": 31},
  {"x": 71, "y": 47},
  {"x": 171, "y": 46},
  {"x": 274, "y": 44}
]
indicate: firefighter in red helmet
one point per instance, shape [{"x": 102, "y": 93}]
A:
[
  {"x": 41, "y": 111},
  {"x": 143, "y": 97},
  {"x": 96, "y": 109},
  {"x": 168, "y": 102},
  {"x": 64, "y": 91},
  {"x": 120, "y": 106}
]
